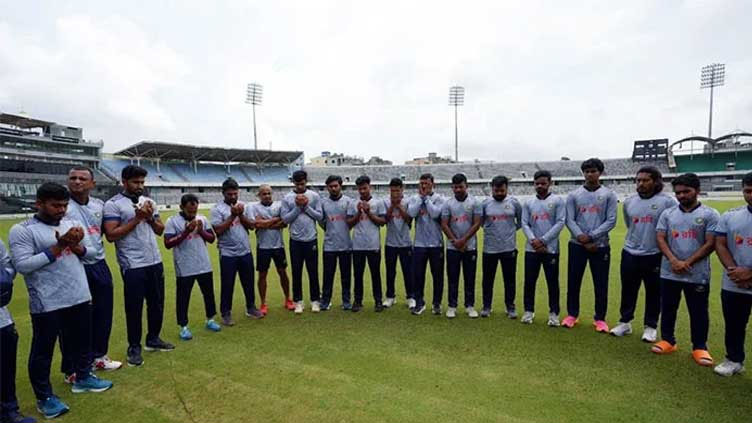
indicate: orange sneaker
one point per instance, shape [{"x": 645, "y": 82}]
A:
[
  {"x": 600, "y": 326},
  {"x": 289, "y": 304},
  {"x": 569, "y": 322},
  {"x": 264, "y": 309},
  {"x": 702, "y": 357},
  {"x": 663, "y": 347}
]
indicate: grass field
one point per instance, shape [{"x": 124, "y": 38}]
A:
[{"x": 339, "y": 366}]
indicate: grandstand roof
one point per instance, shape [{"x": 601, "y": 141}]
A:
[
  {"x": 23, "y": 121},
  {"x": 173, "y": 151}
]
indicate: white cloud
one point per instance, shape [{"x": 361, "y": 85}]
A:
[{"x": 543, "y": 80}]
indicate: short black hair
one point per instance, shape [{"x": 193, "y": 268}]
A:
[
  {"x": 188, "y": 198},
  {"x": 592, "y": 163},
  {"x": 688, "y": 179},
  {"x": 83, "y": 169},
  {"x": 747, "y": 180},
  {"x": 299, "y": 176},
  {"x": 499, "y": 180},
  {"x": 333, "y": 178},
  {"x": 426, "y": 176},
  {"x": 542, "y": 174},
  {"x": 229, "y": 184},
  {"x": 133, "y": 171},
  {"x": 655, "y": 175},
  {"x": 52, "y": 191},
  {"x": 459, "y": 178},
  {"x": 395, "y": 182},
  {"x": 363, "y": 179}
]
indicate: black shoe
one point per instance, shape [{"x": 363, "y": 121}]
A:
[
  {"x": 378, "y": 308},
  {"x": 134, "y": 356},
  {"x": 158, "y": 345},
  {"x": 357, "y": 307},
  {"x": 418, "y": 310},
  {"x": 16, "y": 417}
]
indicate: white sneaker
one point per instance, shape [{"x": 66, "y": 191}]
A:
[
  {"x": 451, "y": 312},
  {"x": 553, "y": 320},
  {"x": 527, "y": 317},
  {"x": 411, "y": 303},
  {"x": 389, "y": 302},
  {"x": 299, "y": 307},
  {"x": 622, "y": 329},
  {"x": 511, "y": 313},
  {"x": 104, "y": 363},
  {"x": 728, "y": 368},
  {"x": 315, "y": 306},
  {"x": 471, "y": 313},
  {"x": 649, "y": 334}
]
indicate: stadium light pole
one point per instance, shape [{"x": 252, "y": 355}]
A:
[
  {"x": 713, "y": 75},
  {"x": 253, "y": 96},
  {"x": 456, "y": 99}
]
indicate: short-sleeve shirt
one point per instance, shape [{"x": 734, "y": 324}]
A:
[
  {"x": 191, "y": 257},
  {"x": 641, "y": 217},
  {"x": 53, "y": 282},
  {"x": 303, "y": 227},
  {"x": 427, "y": 223},
  {"x": 336, "y": 230},
  {"x": 461, "y": 215},
  {"x": 544, "y": 219},
  {"x": 138, "y": 248},
  {"x": 268, "y": 239},
  {"x": 592, "y": 213},
  {"x": 233, "y": 242},
  {"x": 736, "y": 226},
  {"x": 366, "y": 234},
  {"x": 685, "y": 234},
  {"x": 501, "y": 219},
  {"x": 90, "y": 216},
  {"x": 397, "y": 230}
]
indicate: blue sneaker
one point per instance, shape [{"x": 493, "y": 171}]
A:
[
  {"x": 16, "y": 417},
  {"x": 326, "y": 305},
  {"x": 213, "y": 326},
  {"x": 347, "y": 306},
  {"x": 91, "y": 383},
  {"x": 52, "y": 407},
  {"x": 185, "y": 334}
]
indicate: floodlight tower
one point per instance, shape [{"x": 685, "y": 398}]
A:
[
  {"x": 713, "y": 75},
  {"x": 253, "y": 96},
  {"x": 456, "y": 99}
]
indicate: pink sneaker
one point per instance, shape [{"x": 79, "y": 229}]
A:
[
  {"x": 600, "y": 326},
  {"x": 569, "y": 322}
]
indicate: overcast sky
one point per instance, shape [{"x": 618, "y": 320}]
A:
[{"x": 543, "y": 79}]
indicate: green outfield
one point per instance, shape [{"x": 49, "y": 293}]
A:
[{"x": 340, "y": 366}]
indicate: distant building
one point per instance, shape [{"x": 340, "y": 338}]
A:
[
  {"x": 432, "y": 158},
  {"x": 328, "y": 158},
  {"x": 377, "y": 161}
]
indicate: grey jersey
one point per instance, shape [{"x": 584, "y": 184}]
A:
[
  {"x": 138, "y": 248},
  {"x": 53, "y": 282},
  {"x": 234, "y": 241},
  {"x": 592, "y": 213},
  {"x": 334, "y": 222},
  {"x": 544, "y": 219},
  {"x": 7, "y": 273},
  {"x": 685, "y": 234},
  {"x": 90, "y": 216},
  {"x": 191, "y": 257},
  {"x": 501, "y": 219},
  {"x": 736, "y": 226},
  {"x": 302, "y": 221},
  {"x": 268, "y": 239},
  {"x": 426, "y": 211},
  {"x": 461, "y": 215},
  {"x": 397, "y": 230},
  {"x": 366, "y": 234},
  {"x": 641, "y": 217}
]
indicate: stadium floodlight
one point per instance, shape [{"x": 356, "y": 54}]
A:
[
  {"x": 253, "y": 96},
  {"x": 713, "y": 75},
  {"x": 456, "y": 99}
]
